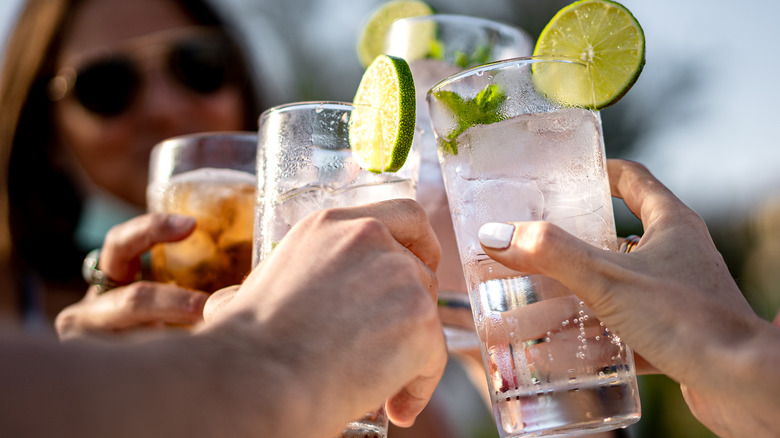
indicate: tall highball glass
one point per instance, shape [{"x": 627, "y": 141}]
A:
[
  {"x": 510, "y": 152},
  {"x": 437, "y": 46},
  {"x": 305, "y": 155}
]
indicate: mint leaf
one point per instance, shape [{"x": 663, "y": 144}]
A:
[
  {"x": 483, "y": 109},
  {"x": 481, "y": 55}
]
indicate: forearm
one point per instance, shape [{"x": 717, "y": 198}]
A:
[
  {"x": 159, "y": 388},
  {"x": 742, "y": 395}
]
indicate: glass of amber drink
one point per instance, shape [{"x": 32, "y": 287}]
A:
[{"x": 211, "y": 177}]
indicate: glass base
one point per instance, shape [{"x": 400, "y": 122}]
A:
[
  {"x": 372, "y": 425},
  {"x": 567, "y": 413}
]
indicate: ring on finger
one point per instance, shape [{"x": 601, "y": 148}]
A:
[
  {"x": 94, "y": 276},
  {"x": 629, "y": 243}
]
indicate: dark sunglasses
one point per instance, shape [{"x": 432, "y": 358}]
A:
[{"x": 108, "y": 86}]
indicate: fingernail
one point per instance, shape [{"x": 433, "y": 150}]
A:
[
  {"x": 179, "y": 221},
  {"x": 496, "y": 235}
]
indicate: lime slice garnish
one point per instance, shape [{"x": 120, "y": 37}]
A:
[
  {"x": 382, "y": 125},
  {"x": 371, "y": 41},
  {"x": 607, "y": 38}
]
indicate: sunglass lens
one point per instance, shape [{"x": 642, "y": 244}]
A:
[
  {"x": 107, "y": 87},
  {"x": 201, "y": 65}
]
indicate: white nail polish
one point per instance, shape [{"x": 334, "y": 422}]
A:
[{"x": 496, "y": 235}]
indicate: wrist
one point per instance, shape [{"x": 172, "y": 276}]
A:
[{"x": 258, "y": 387}]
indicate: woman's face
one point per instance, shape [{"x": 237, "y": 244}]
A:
[{"x": 113, "y": 146}]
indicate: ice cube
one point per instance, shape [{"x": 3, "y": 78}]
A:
[
  {"x": 585, "y": 215},
  {"x": 183, "y": 256},
  {"x": 477, "y": 202}
]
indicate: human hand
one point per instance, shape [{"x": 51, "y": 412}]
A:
[
  {"x": 136, "y": 304},
  {"x": 672, "y": 299},
  {"x": 348, "y": 300}
]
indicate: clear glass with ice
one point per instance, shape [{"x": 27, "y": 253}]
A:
[
  {"x": 552, "y": 367},
  {"x": 304, "y": 153},
  {"x": 437, "y": 46}
]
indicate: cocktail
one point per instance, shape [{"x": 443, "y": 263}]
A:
[
  {"x": 307, "y": 155},
  {"x": 210, "y": 176},
  {"x": 510, "y": 150},
  {"x": 309, "y": 166},
  {"x": 521, "y": 140},
  {"x": 437, "y": 46}
]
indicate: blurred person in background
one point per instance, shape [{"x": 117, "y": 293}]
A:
[{"x": 88, "y": 87}]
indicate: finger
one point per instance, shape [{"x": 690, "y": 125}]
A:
[
  {"x": 425, "y": 273},
  {"x": 403, "y": 408},
  {"x": 643, "y": 367},
  {"x": 125, "y": 242},
  {"x": 407, "y": 223},
  {"x": 217, "y": 301},
  {"x": 643, "y": 194},
  {"x": 541, "y": 247},
  {"x": 138, "y": 304}
]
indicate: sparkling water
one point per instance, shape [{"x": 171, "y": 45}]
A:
[
  {"x": 328, "y": 179},
  {"x": 552, "y": 367}
]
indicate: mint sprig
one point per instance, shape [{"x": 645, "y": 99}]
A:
[{"x": 483, "y": 109}]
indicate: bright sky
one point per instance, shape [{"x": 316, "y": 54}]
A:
[
  {"x": 723, "y": 155},
  {"x": 717, "y": 143}
]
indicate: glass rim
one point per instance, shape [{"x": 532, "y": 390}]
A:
[
  {"x": 308, "y": 104},
  {"x": 500, "y": 26},
  {"x": 197, "y": 137},
  {"x": 504, "y": 63}
]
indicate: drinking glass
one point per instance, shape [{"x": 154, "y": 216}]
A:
[
  {"x": 212, "y": 177},
  {"x": 552, "y": 367},
  {"x": 437, "y": 46},
  {"x": 305, "y": 154}
]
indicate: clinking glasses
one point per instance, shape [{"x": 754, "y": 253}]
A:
[{"x": 107, "y": 85}]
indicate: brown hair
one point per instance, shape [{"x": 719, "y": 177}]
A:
[{"x": 39, "y": 203}]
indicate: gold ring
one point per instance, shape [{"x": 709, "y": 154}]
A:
[{"x": 629, "y": 244}]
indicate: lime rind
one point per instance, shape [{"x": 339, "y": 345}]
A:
[
  {"x": 383, "y": 118},
  {"x": 606, "y": 36}
]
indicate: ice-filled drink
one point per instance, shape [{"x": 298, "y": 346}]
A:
[
  {"x": 219, "y": 252},
  {"x": 309, "y": 165},
  {"x": 437, "y": 46},
  {"x": 552, "y": 367},
  {"x": 219, "y": 192}
]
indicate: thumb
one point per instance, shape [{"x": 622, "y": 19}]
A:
[
  {"x": 544, "y": 248},
  {"x": 217, "y": 301}
]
